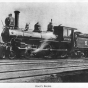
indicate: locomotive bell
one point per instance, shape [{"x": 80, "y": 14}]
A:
[{"x": 16, "y": 19}]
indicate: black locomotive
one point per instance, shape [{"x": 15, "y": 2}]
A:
[{"x": 61, "y": 43}]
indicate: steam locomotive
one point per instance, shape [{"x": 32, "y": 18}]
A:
[{"x": 61, "y": 43}]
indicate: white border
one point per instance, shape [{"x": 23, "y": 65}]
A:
[
  {"x": 43, "y": 0},
  {"x": 53, "y": 85}
]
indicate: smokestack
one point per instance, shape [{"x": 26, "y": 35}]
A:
[{"x": 16, "y": 19}]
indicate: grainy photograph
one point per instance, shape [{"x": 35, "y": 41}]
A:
[{"x": 43, "y": 42}]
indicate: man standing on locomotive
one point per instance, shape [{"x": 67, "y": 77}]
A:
[
  {"x": 9, "y": 21},
  {"x": 50, "y": 26},
  {"x": 26, "y": 27},
  {"x": 37, "y": 27}
]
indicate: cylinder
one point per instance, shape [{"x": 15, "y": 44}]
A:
[{"x": 16, "y": 19}]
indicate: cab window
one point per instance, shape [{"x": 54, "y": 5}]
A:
[{"x": 66, "y": 33}]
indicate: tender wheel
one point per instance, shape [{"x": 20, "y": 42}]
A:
[{"x": 77, "y": 54}]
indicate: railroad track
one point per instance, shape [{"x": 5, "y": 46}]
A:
[{"x": 26, "y": 70}]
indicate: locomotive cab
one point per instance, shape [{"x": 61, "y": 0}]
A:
[
  {"x": 63, "y": 33},
  {"x": 65, "y": 39}
]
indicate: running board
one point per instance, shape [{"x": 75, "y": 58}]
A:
[{"x": 45, "y": 49}]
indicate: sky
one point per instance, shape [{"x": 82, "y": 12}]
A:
[{"x": 71, "y": 14}]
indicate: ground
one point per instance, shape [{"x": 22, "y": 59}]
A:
[{"x": 41, "y": 70}]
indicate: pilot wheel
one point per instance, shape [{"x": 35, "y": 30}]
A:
[
  {"x": 64, "y": 55},
  {"x": 12, "y": 55}
]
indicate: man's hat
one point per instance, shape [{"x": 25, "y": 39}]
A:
[
  {"x": 27, "y": 24},
  {"x": 10, "y": 14}
]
